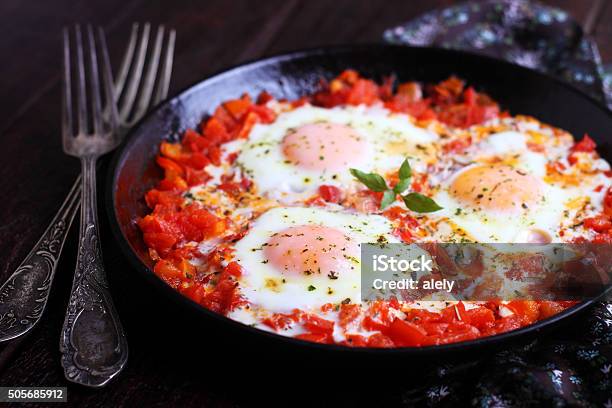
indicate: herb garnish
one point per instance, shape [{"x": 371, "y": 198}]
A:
[{"x": 416, "y": 202}]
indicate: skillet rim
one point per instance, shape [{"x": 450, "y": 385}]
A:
[{"x": 118, "y": 159}]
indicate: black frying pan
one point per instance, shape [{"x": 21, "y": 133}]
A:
[{"x": 517, "y": 89}]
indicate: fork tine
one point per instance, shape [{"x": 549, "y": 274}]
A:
[
  {"x": 66, "y": 91},
  {"x": 107, "y": 76},
  {"x": 130, "y": 96},
  {"x": 82, "y": 93},
  {"x": 127, "y": 61},
  {"x": 149, "y": 79},
  {"x": 94, "y": 83},
  {"x": 166, "y": 72}
]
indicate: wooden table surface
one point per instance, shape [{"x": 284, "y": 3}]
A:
[{"x": 35, "y": 176}]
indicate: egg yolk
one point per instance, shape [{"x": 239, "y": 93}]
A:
[
  {"x": 497, "y": 188},
  {"x": 324, "y": 147},
  {"x": 312, "y": 249}
]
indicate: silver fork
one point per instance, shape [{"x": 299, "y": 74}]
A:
[
  {"x": 93, "y": 344},
  {"x": 24, "y": 295}
]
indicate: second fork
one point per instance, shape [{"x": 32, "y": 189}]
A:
[{"x": 23, "y": 296}]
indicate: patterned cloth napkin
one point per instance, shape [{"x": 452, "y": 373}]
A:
[
  {"x": 565, "y": 368},
  {"x": 526, "y": 33}
]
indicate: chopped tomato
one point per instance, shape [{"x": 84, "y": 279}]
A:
[
  {"x": 419, "y": 109},
  {"x": 263, "y": 113},
  {"x": 607, "y": 204},
  {"x": 225, "y": 297},
  {"x": 355, "y": 340},
  {"x": 169, "y": 166},
  {"x": 548, "y": 309},
  {"x": 195, "y": 177},
  {"x": 448, "y": 91},
  {"x": 348, "y": 314},
  {"x": 173, "y": 183},
  {"x": 316, "y": 324},
  {"x": 195, "y": 292},
  {"x": 167, "y": 269},
  {"x": 527, "y": 310},
  {"x": 457, "y": 145},
  {"x": 470, "y": 96},
  {"x": 198, "y": 161},
  {"x": 422, "y": 315},
  {"x": 315, "y": 337},
  {"x": 214, "y": 155},
  {"x": 172, "y": 151},
  {"x": 453, "y": 313},
  {"x": 279, "y": 321},
  {"x": 403, "y": 234},
  {"x": 572, "y": 159},
  {"x": 264, "y": 97},
  {"x": 585, "y": 145},
  {"x": 215, "y": 131},
  {"x": 331, "y": 194},
  {"x": 467, "y": 333},
  {"x": 327, "y": 307},
  {"x": 232, "y": 188},
  {"x": 166, "y": 198},
  {"x": 238, "y": 107},
  {"x": 600, "y": 223},
  {"x": 195, "y": 141},
  {"x": 434, "y": 328},
  {"x": 160, "y": 241},
  {"x": 526, "y": 266},
  {"x": 374, "y": 325},
  {"x": 507, "y": 323},
  {"x": 251, "y": 120},
  {"x": 379, "y": 340},
  {"x": 404, "y": 333},
  {"x": 480, "y": 317},
  {"x": 233, "y": 269}
]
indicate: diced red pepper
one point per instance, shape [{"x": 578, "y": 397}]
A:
[
  {"x": 316, "y": 324},
  {"x": 379, "y": 340},
  {"x": 331, "y": 194},
  {"x": 585, "y": 145},
  {"x": 600, "y": 223},
  {"x": 607, "y": 204},
  {"x": 406, "y": 334}
]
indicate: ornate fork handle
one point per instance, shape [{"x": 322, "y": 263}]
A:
[
  {"x": 24, "y": 295},
  {"x": 93, "y": 344}
]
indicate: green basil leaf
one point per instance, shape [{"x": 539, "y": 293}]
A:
[
  {"x": 402, "y": 186},
  {"x": 405, "y": 172},
  {"x": 372, "y": 181},
  {"x": 419, "y": 203},
  {"x": 388, "y": 199}
]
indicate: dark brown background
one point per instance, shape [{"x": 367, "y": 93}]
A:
[{"x": 35, "y": 176}]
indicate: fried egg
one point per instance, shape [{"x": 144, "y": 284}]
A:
[
  {"x": 309, "y": 146},
  {"x": 296, "y": 257},
  {"x": 501, "y": 203}
]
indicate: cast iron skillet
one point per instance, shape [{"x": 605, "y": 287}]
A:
[{"x": 517, "y": 89}]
